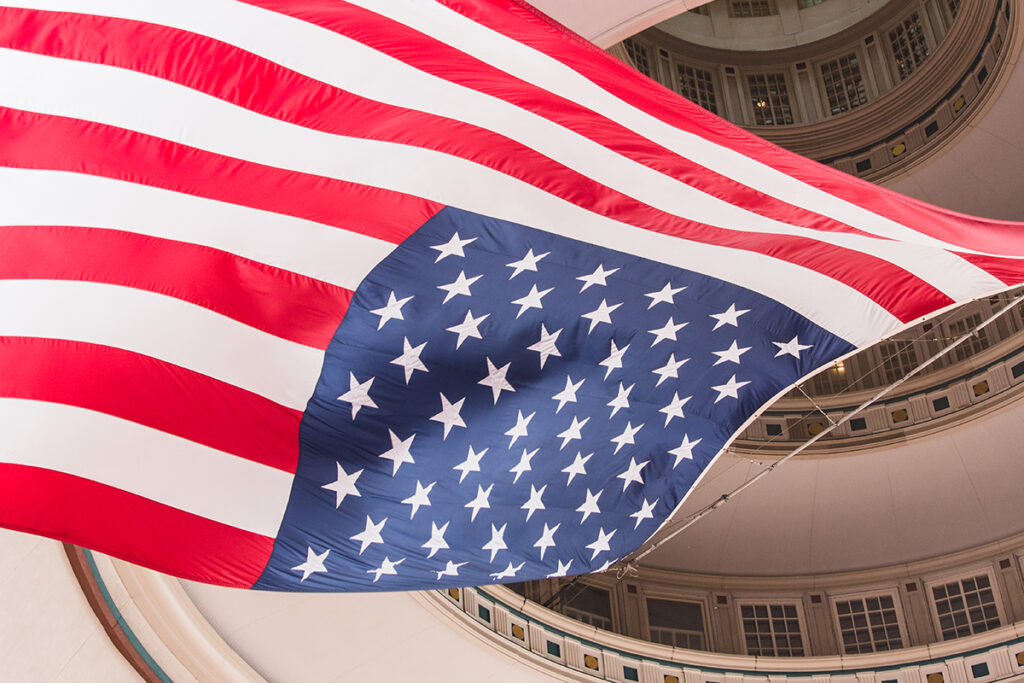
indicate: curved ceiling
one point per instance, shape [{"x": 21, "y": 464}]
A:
[
  {"x": 606, "y": 22},
  {"x": 817, "y": 515}
]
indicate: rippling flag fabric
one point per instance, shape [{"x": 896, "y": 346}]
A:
[{"x": 401, "y": 294}]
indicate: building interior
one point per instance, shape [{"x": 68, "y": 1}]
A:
[{"x": 889, "y": 551}]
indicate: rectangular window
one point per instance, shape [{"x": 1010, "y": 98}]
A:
[
  {"x": 772, "y": 630},
  {"x": 751, "y": 8},
  {"x": 680, "y": 624},
  {"x": 696, "y": 85},
  {"x": 810, "y": 3},
  {"x": 965, "y": 607},
  {"x": 770, "y": 97},
  {"x": 868, "y": 625},
  {"x": 898, "y": 359},
  {"x": 909, "y": 48},
  {"x": 591, "y": 606},
  {"x": 844, "y": 86},
  {"x": 978, "y": 342},
  {"x": 954, "y": 7},
  {"x": 638, "y": 54}
]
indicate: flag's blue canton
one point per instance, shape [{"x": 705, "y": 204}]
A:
[{"x": 503, "y": 404}]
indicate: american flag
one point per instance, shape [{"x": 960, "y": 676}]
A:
[{"x": 383, "y": 295}]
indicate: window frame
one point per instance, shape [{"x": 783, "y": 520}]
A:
[
  {"x": 773, "y": 10},
  {"x": 716, "y": 87},
  {"x": 819, "y": 80},
  {"x": 959, "y": 576},
  {"x": 784, "y": 601},
  {"x": 794, "y": 111},
  {"x": 894, "y": 67},
  {"x": 879, "y": 592},
  {"x": 613, "y": 616},
  {"x": 702, "y": 599}
]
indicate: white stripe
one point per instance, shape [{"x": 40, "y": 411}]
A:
[
  {"x": 533, "y": 66},
  {"x": 389, "y": 80},
  {"x": 144, "y": 461},
  {"x": 41, "y": 197},
  {"x": 127, "y": 99},
  {"x": 162, "y": 327}
]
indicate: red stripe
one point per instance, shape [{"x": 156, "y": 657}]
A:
[
  {"x": 40, "y": 141},
  {"x": 441, "y": 60},
  {"x": 112, "y": 521},
  {"x": 524, "y": 24},
  {"x": 1010, "y": 271},
  {"x": 376, "y": 121},
  {"x": 153, "y": 393},
  {"x": 291, "y": 306}
]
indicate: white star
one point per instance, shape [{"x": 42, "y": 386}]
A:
[
  {"x": 601, "y": 544},
  {"x": 344, "y": 486},
  {"x": 573, "y": 432},
  {"x": 481, "y": 500},
  {"x": 684, "y": 450},
  {"x": 590, "y": 505},
  {"x": 436, "y": 541},
  {"x": 664, "y": 295},
  {"x": 410, "y": 359},
  {"x": 450, "y": 569},
  {"x": 577, "y": 466},
  {"x": 449, "y": 415},
  {"x": 386, "y": 567},
  {"x": 632, "y": 473},
  {"x": 646, "y": 511},
  {"x": 358, "y": 394},
  {"x": 596, "y": 278},
  {"x": 667, "y": 332},
  {"x": 546, "y": 346},
  {"x": 392, "y": 310},
  {"x": 728, "y": 317},
  {"x": 792, "y": 348},
  {"x": 675, "y": 408},
  {"x": 547, "y": 538},
  {"x": 524, "y": 463},
  {"x": 626, "y": 437},
  {"x": 399, "y": 452},
  {"x": 621, "y": 400},
  {"x": 528, "y": 262},
  {"x": 467, "y": 328},
  {"x": 562, "y": 570},
  {"x": 730, "y": 389},
  {"x": 601, "y": 314},
  {"x": 470, "y": 464},
  {"x": 452, "y": 247},
  {"x": 731, "y": 354},
  {"x": 460, "y": 286},
  {"x": 519, "y": 429},
  {"x": 508, "y": 572},
  {"x": 669, "y": 369},
  {"x": 371, "y": 534},
  {"x": 531, "y": 300},
  {"x": 497, "y": 541},
  {"x": 495, "y": 379},
  {"x": 314, "y": 563},
  {"x": 567, "y": 395},
  {"x": 614, "y": 359},
  {"x": 534, "y": 503},
  {"x": 420, "y": 498}
]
